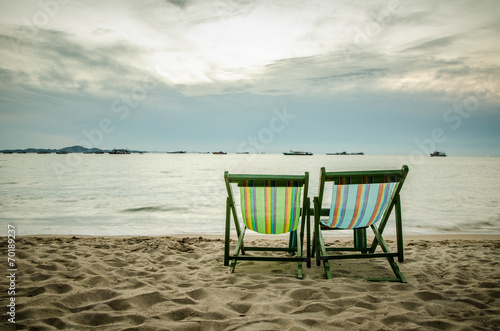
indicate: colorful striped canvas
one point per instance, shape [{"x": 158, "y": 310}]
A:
[
  {"x": 358, "y": 206},
  {"x": 270, "y": 209}
]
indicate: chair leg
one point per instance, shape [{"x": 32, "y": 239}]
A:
[
  {"x": 299, "y": 261},
  {"x": 239, "y": 245},
  {"x": 328, "y": 270},
  {"x": 308, "y": 256},
  {"x": 233, "y": 265},
  {"x": 399, "y": 231},
  {"x": 385, "y": 249},
  {"x": 292, "y": 242},
  {"x": 321, "y": 252},
  {"x": 395, "y": 269},
  {"x": 227, "y": 237},
  {"x": 316, "y": 231},
  {"x": 318, "y": 248},
  {"x": 307, "y": 219},
  {"x": 313, "y": 249},
  {"x": 360, "y": 239}
]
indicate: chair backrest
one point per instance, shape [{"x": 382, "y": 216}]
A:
[
  {"x": 361, "y": 198},
  {"x": 269, "y": 204}
]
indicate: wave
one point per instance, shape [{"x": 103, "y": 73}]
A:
[
  {"x": 154, "y": 209},
  {"x": 491, "y": 225}
]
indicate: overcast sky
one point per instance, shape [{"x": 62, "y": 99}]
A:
[{"x": 382, "y": 77}]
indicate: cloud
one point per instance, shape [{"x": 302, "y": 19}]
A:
[
  {"x": 178, "y": 3},
  {"x": 237, "y": 60},
  {"x": 434, "y": 44},
  {"x": 56, "y": 61}
]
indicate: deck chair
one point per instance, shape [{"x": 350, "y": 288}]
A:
[
  {"x": 360, "y": 200},
  {"x": 269, "y": 205}
]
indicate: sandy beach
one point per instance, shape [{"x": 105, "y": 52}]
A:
[{"x": 175, "y": 283}]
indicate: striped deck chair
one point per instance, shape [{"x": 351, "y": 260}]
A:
[
  {"x": 269, "y": 205},
  {"x": 360, "y": 200}
]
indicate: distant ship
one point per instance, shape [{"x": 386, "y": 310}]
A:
[
  {"x": 345, "y": 153},
  {"x": 436, "y": 153},
  {"x": 297, "y": 153},
  {"x": 61, "y": 152},
  {"x": 43, "y": 152},
  {"x": 220, "y": 153},
  {"x": 119, "y": 151},
  {"x": 177, "y": 152}
]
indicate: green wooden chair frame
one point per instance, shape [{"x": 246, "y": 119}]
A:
[
  {"x": 295, "y": 249},
  {"x": 360, "y": 249}
]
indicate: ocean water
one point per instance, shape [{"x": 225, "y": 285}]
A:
[{"x": 166, "y": 194}]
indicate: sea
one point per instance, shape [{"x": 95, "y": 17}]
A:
[{"x": 164, "y": 194}]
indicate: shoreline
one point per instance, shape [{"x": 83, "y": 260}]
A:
[{"x": 252, "y": 236}]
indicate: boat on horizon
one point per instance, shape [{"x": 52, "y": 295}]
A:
[
  {"x": 297, "y": 153},
  {"x": 219, "y": 153},
  {"x": 345, "y": 153},
  {"x": 177, "y": 152},
  {"x": 61, "y": 152},
  {"x": 119, "y": 151},
  {"x": 436, "y": 153}
]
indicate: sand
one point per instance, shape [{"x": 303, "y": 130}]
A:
[{"x": 169, "y": 283}]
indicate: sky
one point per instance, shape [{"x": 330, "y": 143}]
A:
[{"x": 379, "y": 77}]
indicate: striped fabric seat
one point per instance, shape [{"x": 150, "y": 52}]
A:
[
  {"x": 269, "y": 204},
  {"x": 358, "y": 206},
  {"x": 361, "y": 201},
  {"x": 270, "y": 209}
]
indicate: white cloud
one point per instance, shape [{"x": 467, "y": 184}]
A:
[{"x": 225, "y": 43}]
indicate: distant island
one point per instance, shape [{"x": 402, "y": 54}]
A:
[{"x": 65, "y": 150}]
